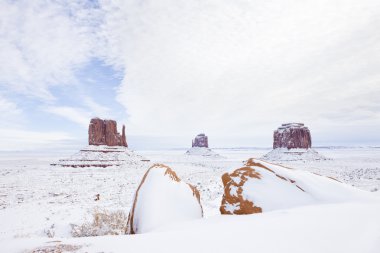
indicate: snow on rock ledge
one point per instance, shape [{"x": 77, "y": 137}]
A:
[
  {"x": 198, "y": 151},
  {"x": 100, "y": 156},
  {"x": 261, "y": 186},
  {"x": 297, "y": 154},
  {"x": 292, "y": 142},
  {"x": 162, "y": 198}
]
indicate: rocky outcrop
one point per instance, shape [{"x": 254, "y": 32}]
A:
[
  {"x": 104, "y": 132},
  {"x": 162, "y": 198},
  {"x": 233, "y": 201},
  {"x": 201, "y": 141},
  {"x": 260, "y": 186},
  {"x": 292, "y": 135}
]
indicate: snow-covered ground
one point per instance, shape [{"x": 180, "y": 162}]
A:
[{"x": 39, "y": 202}]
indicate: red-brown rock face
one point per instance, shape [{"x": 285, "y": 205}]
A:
[
  {"x": 201, "y": 141},
  {"x": 233, "y": 202},
  {"x": 104, "y": 132},
  {"x": 292, "y": 135}
]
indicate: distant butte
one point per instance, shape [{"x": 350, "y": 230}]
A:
[
  {"x": 104, "y": 132},
  {"x": 201, "y": 140},
  {"x": 291, "y": 136}
]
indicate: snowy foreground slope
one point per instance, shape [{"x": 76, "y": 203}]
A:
[
  {"x": 350, "y": 227},
  {"x": 38, "y": 201}
]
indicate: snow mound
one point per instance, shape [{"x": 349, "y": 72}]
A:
[
  {"x": 162, "y": 198},
  {"x": 261, "y": 186},
  {"x": 200, "y": 151},
  {"x": 296, "y": 154},
  {"x": 101, "y": 156}
]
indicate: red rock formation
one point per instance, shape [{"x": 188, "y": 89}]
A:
[
  {"x": 201, "y": 140},
  {"x": 123, "y": 138},
  {"x": 292, "y": 135},
  {"x": 234, "y": 202},
  {"x": 104, "y": 132},
  {"x": 259, "y": 182}
]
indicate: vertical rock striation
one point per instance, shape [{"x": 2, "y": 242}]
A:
[
  {"x": 104, "y": 132},
  {"x": 292, "y": 135}
]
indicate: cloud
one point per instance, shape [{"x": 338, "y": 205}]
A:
[
  {"x": 8, "y": 107},
  {"x": 19, "y": 139},
  {"x": 11, "y": 115},
  {"x": 232, "y": 69},
  {"x": 244, "y": 67},
  {"x": 80, "y": 115},
  {"x": 96, "y": 108},
  {"x": 42, "y": 44},
  {"x": 76, "y": 115}
]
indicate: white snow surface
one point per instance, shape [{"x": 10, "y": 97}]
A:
[
  {"x": 162, "y": 200},
  {"x": 101, "y": 155},
  {"x": 201, "y": 151},
  {"x": 272, "y": 193},
  {"x": 295, "y": 154},
  {"x": 36, "y": 198}
]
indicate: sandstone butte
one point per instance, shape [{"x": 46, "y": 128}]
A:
[
  {"x": 292, "y": 135},
  {"x": 104, "y": 132},
  {"x": 201, "y": 140}
]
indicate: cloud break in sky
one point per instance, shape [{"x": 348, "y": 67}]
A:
[{"x": 170, "y": 69}]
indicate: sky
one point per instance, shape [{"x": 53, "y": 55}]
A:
[{"x": 170, "y": 69}]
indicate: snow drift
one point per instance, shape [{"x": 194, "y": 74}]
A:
[
  {"x": 162, "y": 198},
  {"x": 296, "y": 154},
  {"x": 101, "y": 156},
  {"x": 201, "y": 151},
  {"x": 261, "y": 186}
]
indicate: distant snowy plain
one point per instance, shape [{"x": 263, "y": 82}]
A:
[{"x": 38, "y": 201}]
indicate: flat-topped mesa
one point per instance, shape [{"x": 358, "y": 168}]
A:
[
  {"x": 292, "y": 135},
  {"x": 201, "y": 141},
  {"x": 104, "y": 132}
]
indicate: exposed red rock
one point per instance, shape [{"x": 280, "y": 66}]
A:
[
  {"x": 241, "y": 188},
  {"x": 201, "y": 140},
  {"x": 104, "y": 132},
  {"x": 292, "y": 135},
  {"x": 234, "y": 202}
]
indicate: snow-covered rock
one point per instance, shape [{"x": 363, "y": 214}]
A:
[
  {"x": 101, "y": 156},
  {"x": 296, "y": 154},
  {"x": 162, "y": 198},
  {"x": 199, "y": 151},
  {"x": 261, "y": 186}
]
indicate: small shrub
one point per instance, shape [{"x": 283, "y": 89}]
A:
[{"x": 104, "y": 223}]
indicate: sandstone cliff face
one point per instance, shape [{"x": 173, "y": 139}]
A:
[
  {"x": 104, "y": 132},
  {"x": 233, "y": 201},
  {"x": 292, "y": 135},
  {"x": 201, "y": 140}
]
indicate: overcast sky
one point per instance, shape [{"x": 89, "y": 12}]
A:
[{"x": 170, "y": 69}]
